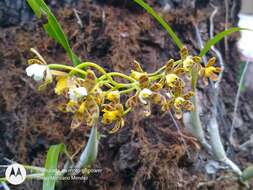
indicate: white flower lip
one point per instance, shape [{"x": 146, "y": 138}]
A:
[
  {"x": 77, "y": 93},
  {"x": 145, "y": 93},
  {"x": 36, "y": 71}
]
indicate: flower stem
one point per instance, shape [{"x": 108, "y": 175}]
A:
[
  {"x": 60, "y": 66},
  {"x": 90, "y": 64},
  {"x": 128, "y": 90},
  {"x": 119, "y": 75}
]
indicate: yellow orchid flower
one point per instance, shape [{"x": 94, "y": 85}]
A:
[
  {"x": 110, "y": 116},
  {"x": 83, "y": 111},
  {"x": 113, "y": 113},
  {"x": 209, "y": 71},
  {"x": 188, "y": 61},
  {"x": 180, "y": 103},
  {"x": 171, "y": 79},
  {"x": 78, "y": 117},
  {"x": 158, "y": 99},
  {"x": 173, "y": 73}
]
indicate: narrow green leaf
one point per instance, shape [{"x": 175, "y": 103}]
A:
[
  {"x": 35, "y": 7},
  {"x": 53, "y": 27},
  {"x": 51, "y": 32},
  {"x": 164, "y": 24},
  {"x": 89, "y": 155},
  {"x": 51, "y": 166},
  {"x": 219, "y": 37}
]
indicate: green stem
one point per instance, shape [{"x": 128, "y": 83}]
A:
[
  {"x": 154, "y": 78},
  {"x": 116, "y": 84},
  {"x": 178, "y": 62},
  {"x": 127, "y": 111},
  {"x": 59, "y": 66},
  {"x": 162, "y": 68},
  {"x": 158, "y": 71},
  {"x": 119, "y": 75},
  {"x": 90, "y": 64},
  {"x": 105, "y": 75},
  {"x": 99, "y": 68},
  {"x": 128, "y": 90}
]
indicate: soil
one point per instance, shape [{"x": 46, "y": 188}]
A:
[{"x": 148, "y": 153}]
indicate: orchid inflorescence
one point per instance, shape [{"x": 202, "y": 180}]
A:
[{"x": 89, "y": 89}]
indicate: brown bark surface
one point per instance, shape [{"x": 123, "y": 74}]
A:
[{"x": 148, "y": 153}]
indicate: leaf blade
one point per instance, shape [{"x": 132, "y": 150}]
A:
[
  {"x": 163, "y": 23},
  {"x": 219, "y": 37},
  {"x": 53, "y": 27},
  {"x": 89, "y": 155},
  {"x": 51, "y": 166}
]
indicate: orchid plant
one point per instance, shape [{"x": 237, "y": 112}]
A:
[{"x": 88, "y": 94}]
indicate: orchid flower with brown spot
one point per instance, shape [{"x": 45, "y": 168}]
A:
[
  {"x": 113, "y": 113},
  {"x": 181, "y": 103},
  {"x": 209, "y": 71},
  {"x": 188, "y": 61},
  {"x": 172, "y": 74},
  {"x": 84, "y": 97}
]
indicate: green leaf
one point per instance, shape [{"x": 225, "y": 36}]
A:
[
  {"x": 51, "y": 166},
  {"x": 36, "y": 8},
  {"x": 89, "y": 155},
  {"x": 53, "y": 27},
  {"x": 164, "y": 24},
  {"x": 219, "y": 37}
]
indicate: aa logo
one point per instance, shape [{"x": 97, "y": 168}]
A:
[{"x": 15, "y": 174}]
